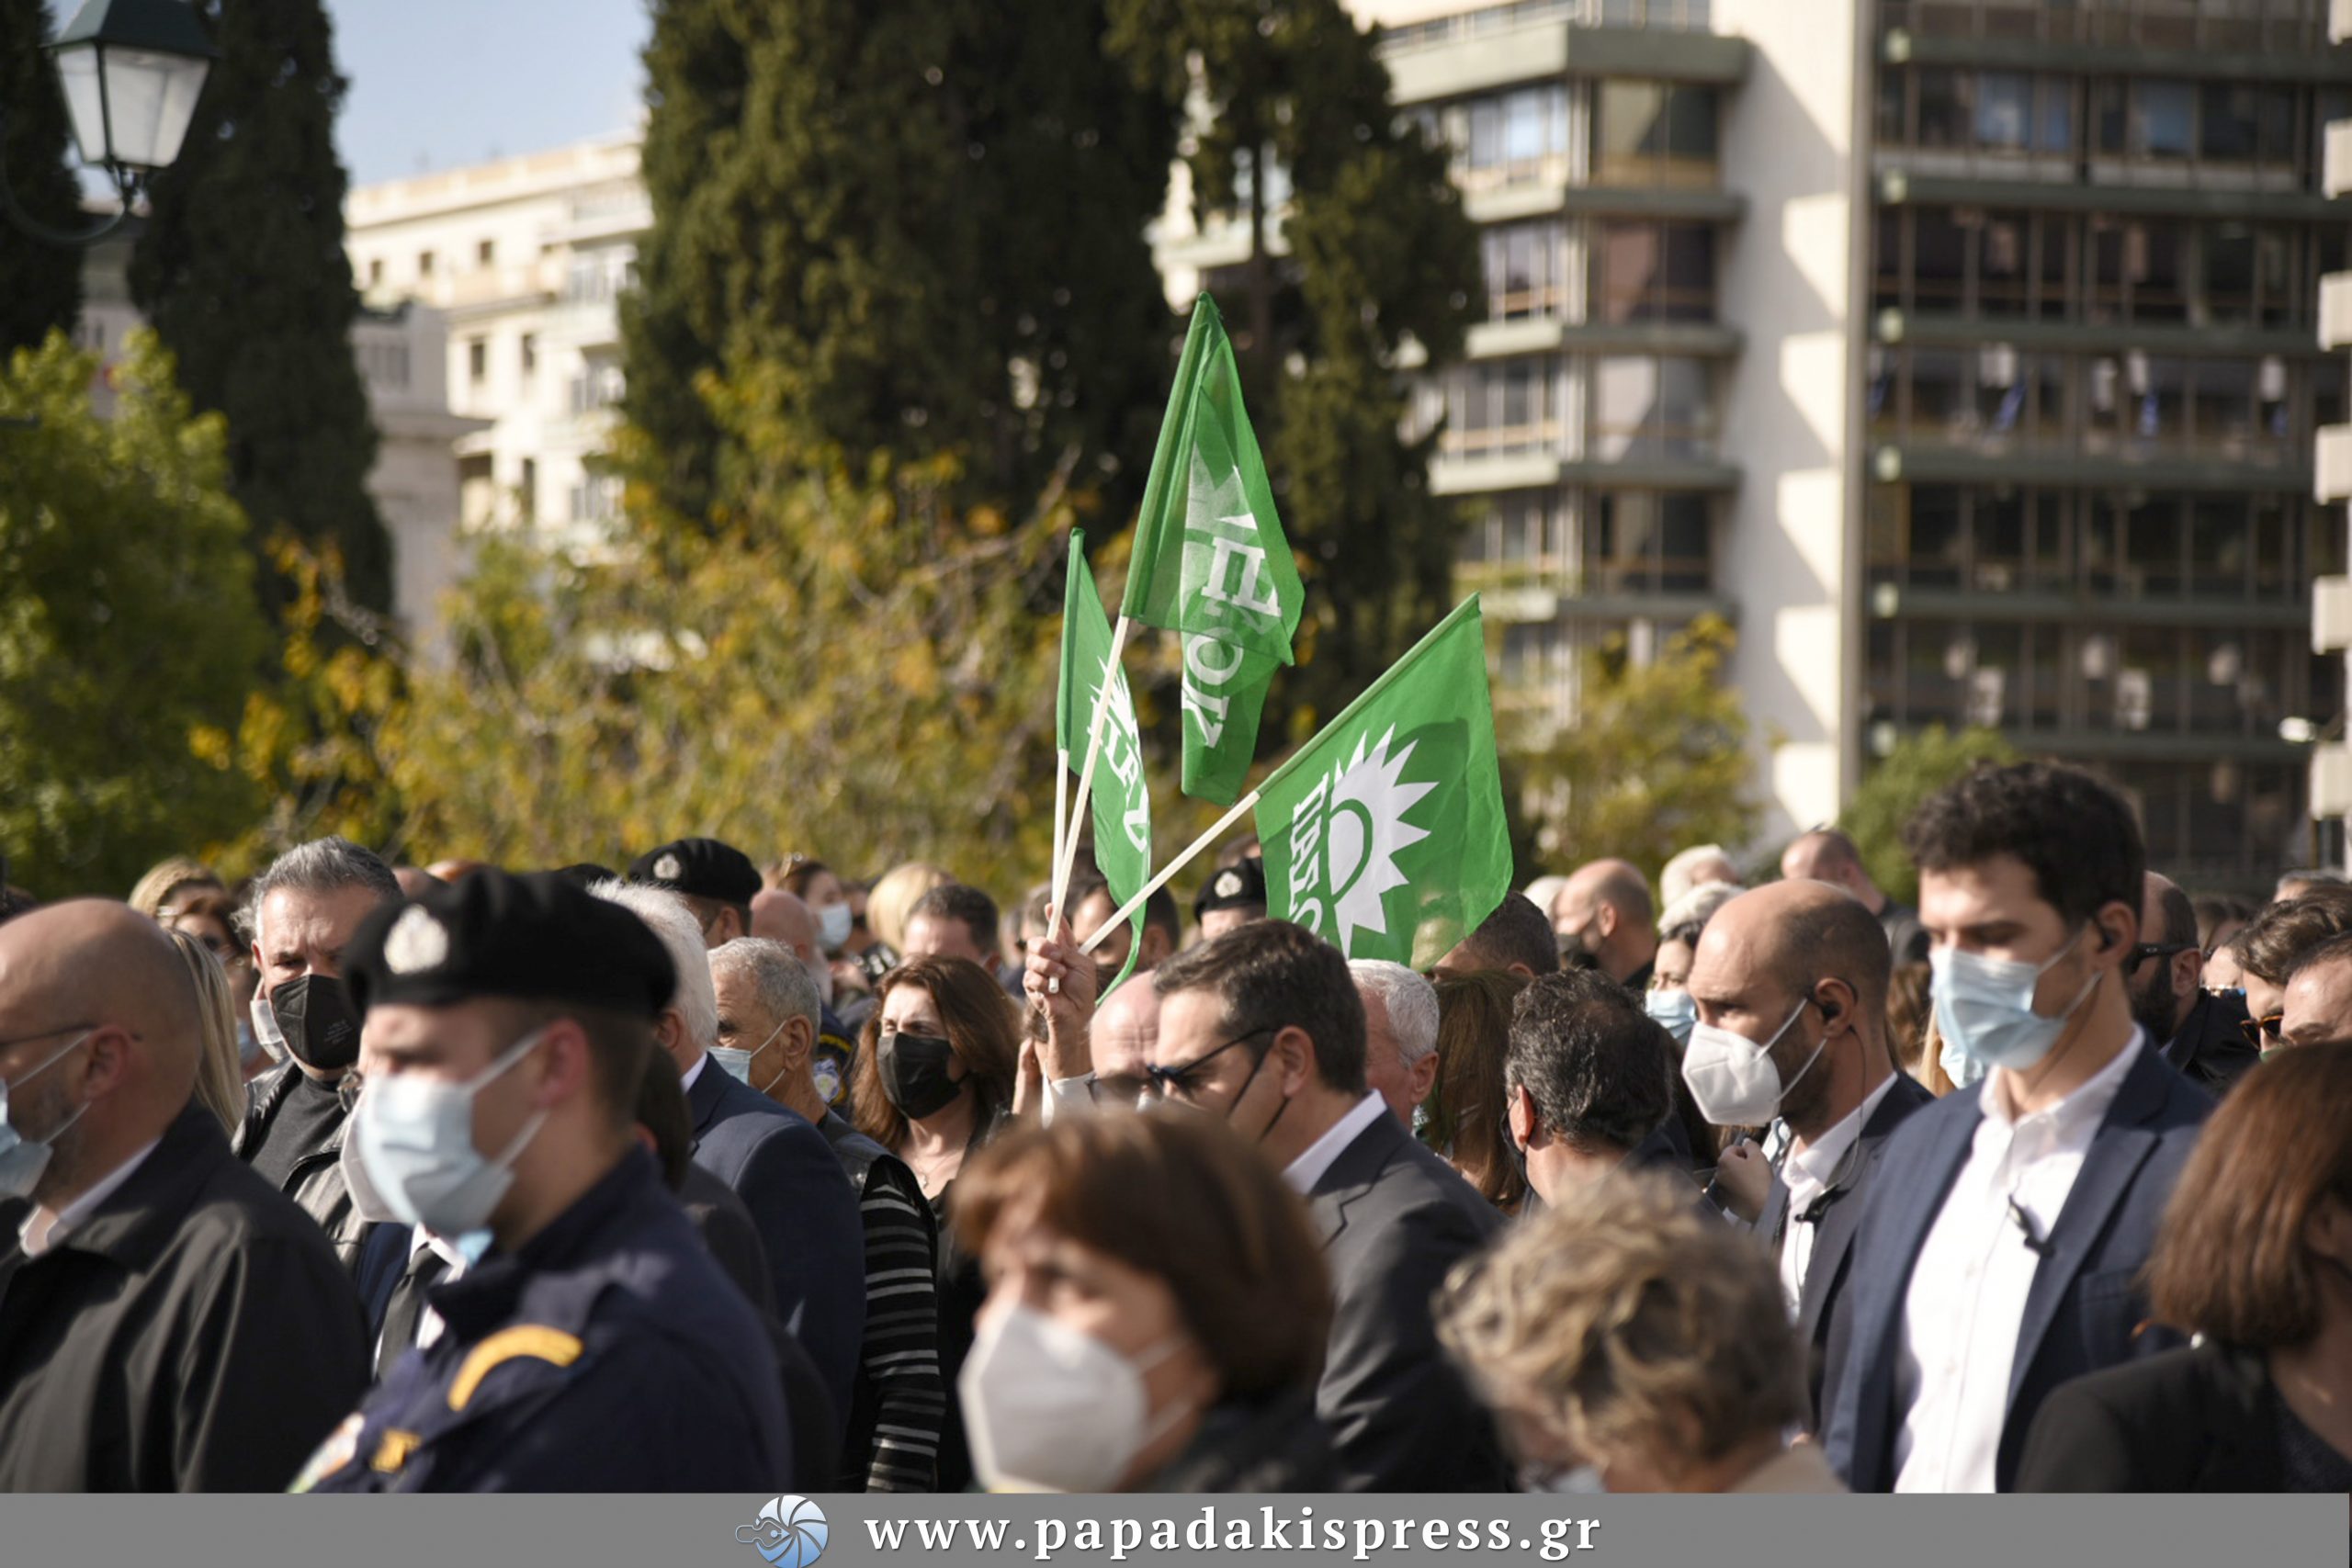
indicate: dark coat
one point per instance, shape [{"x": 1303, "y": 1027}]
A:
[
  {"x": 2087, "y": 1308},
  {"x": 1278, "y": 1446},
  {"x": 2209, "y": 1048},
  {"x": 608, "y": 1354},
  {"x": 806, "y": 1213},
  {"x": 2201, "y": 1419},
  {"x": 316, "y": 1182},
  {"x": 1828, "y": 1268},
  {"x": 1394, "y": 1219},
  {"x": 195, "y": 1332}
]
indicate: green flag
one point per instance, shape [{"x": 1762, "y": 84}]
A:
[
  {"x": 1211, "y": 563},
  {"x": 1122, "y": 802},
  {"x": 1384, "y": 834}
]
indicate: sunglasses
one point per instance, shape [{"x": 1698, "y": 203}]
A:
[
  {"x": 2147, "y": 950},
  {"x": 2258, "y": 1029}
]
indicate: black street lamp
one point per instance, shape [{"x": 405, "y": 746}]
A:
[{"x": 132, "y": 71}]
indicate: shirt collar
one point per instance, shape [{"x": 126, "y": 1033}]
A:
[
  {"x": 44, "y": 1229},
  {"x": 1311, "y": 1166},
  {"x": 2084, "y": 1108},
  {"x": 686, "y": 1079},
  {"x": 1807, "y": 1172}
]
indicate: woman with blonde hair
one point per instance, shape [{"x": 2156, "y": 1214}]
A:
[
  {"x": 219, "y": 1080},
  {"x": 893, "y": 900},
  {"x": 160, "y": 890}
]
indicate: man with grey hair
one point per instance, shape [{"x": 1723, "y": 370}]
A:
[
  {"x": 301, "y": 914},
  {"x": 1400, "y": 1034},
  {"x": 770, "y": 1157},
  {"x": 768, "y": 1008},
  {"x": 1697, "y": 866}
]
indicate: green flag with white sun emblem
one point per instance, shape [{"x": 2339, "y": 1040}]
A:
[{"x": 1384, "y": 834}]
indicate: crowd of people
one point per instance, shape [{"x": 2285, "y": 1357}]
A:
[{"x": 703, "y": 1176}]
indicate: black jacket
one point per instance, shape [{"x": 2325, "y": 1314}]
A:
[
  {"x": 1827, "y": 1268},
  {"x": 195, "y": 1332},
  {"x": 2209, "y": 1048},
  {"x": 1278, "y": 1446},
  {"x": 316, "y": 1182},
  {"x": 2200, "y": 1419},
  {"x": 1394, "y": 1219}
]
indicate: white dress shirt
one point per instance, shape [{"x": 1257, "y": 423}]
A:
[
  {"x": 686, "y": 1078},
  {"x": 44, "y": 1229},
  {"x": 1806, "y": 1173},
  {"x": 1962, "y": 1317},
  {"x": 1308, "y": 1168}
]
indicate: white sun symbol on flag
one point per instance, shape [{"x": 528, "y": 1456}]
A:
[{"x": 1362, "y": 841}]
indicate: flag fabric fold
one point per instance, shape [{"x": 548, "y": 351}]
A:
[{"x": 1122, "y": 797}]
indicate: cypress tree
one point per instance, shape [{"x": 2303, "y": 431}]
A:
[
  {"x": 241, "y": 270},
  {"x": 41, "y": 285},
  {"x": 906, "y": 232}
]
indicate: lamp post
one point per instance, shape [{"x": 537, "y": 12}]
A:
[{"x": 132, "y": 71}]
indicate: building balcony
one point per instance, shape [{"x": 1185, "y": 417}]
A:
[
  {"x": 2156, "y": 470},
  {"x": 1511, "y": 204},
  {"x": 1451, "y": 67},
  {"x": 2120, "y": 607},
  {"x": 1900, "y": 185},
  {"x": 2122, "y": 748},
  {"x": 1504, "y": 340},
  {"x": 1933, "y": 330},
  {"x": 2275, "y": 59},
  {"x": 1485, "y": 474}
]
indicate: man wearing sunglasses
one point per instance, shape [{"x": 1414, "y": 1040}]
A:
[
  {"x": 2201, "y": 1033},
  {"x": 1265, "y": 1028}
]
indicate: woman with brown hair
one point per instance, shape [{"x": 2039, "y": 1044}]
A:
[
  {"x": 2255, "y": 1258},
  {"x": 1466, "y": 1113},
  {"x": 1156, "y": 1313},
  {"x": 932, "y": 1082}
]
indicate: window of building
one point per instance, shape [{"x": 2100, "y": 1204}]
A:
[
  {"x": 1526, "y": 270},
  {"x": 527, "y": 491},
  {"x": 485, "y": 253},
  {"x": 1651, "y": 407},
  {"x": 374, "y": 271},
  {"x": 1517, "y": 136},
  {"x": 2164, "y": 117},
  {"x": 425, "y": 263},
  {"x": 1654, "y": 134},
  {"x": 1504, "y": 408},
  {"x": 530, "y": 350},
  {"x": 478, "y": 361},
  {"x": 1644, "y": 541},
  {"x": 1646, "y": 272}
]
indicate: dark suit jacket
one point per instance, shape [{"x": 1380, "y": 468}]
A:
[
  {"x": 2085, "y": 1308},
  {"x": 785, "y": 1174},
  {"x": 1393, "y": 1219},
  {"x": 2201, "y": 1419},
  {"x": 1825, "y": 1272}
]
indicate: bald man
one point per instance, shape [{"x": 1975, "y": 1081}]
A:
[
  {"x": 169, "y": 1322},
  {"x": 2200, "y": 1033},
  {"x": 1790, "y": 983},
  {"x": 1828, "y": 855},
  {"x": 1604, "y": 919},
  {"x": 1095, "y": 1054}
]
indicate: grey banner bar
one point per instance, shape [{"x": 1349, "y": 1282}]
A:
[{"x": 725, "y": 1531}]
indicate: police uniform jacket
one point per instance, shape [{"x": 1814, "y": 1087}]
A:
[
  {"x": 609, "y": 1353},
  {"x": 195, "y": 1332}
]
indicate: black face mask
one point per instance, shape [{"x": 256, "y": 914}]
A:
[
  {"x": 914, "y": 1073},
  {"x": 1575, "y": 954},
  {"x": 321, "y": 1026}
]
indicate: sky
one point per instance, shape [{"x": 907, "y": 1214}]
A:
[{"x": 436, "y": 83}]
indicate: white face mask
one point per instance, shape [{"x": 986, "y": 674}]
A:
[
  {"x": 832, "y": 926},
  {"x": 1733, "y": 1078},
  {"x": 1052, "y": 1409}
]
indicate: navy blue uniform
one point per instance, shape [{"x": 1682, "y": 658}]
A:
[{"x": 610, "y": 1354}]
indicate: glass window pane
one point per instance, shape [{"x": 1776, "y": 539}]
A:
[
  {"x": 1941, "y": 403},
  {"x": 1688, "y": 291},
  {"x": 2055, "y": 128},
  {"x": 2162, "y": 115},
  {"x": 1935, "y": 549},
  {"x": 2219, "y": 544},
  {"x": 2225, "y": 131},
  {"x": 1941, "y": 260},
  {"x": 1686, "y": 410},
  {"x": 2153, "y": 553},
  {"x": 2229, "y": 273},
  {"x": 2001, "y": 257},
  {"x": 1944, "y": 107},
  {"x": 1683, "y": 544},
  {"x": 1629, "y": 115},
  {"x": 1624, "y": 398},
  {"x": 1627, "y": 254},
  {"x": 2004, "y": 110}
]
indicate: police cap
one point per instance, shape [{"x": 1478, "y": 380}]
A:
[
  {"x": 702, "y": 868},
  {"x": 534, "y": 938},
  {"x": 1241, "y": 886}
]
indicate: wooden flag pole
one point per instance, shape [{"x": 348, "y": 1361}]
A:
[
  {"x": 1064, "y": 866},
  {"x": 1241, "y": 809},
  {"x": 1061, "y": 808}
]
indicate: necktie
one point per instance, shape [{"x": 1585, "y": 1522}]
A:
[{"x": 406, "y": 1308}]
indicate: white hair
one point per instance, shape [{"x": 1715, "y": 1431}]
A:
[
  {"x": 1545, "y": 891},
  {"x": 1697, "y": 906},
  {"x": 1410, "y": 1002},
  {"x": 666, "y": 915},
  {"x": 1681, "y": 873},
  {"x": 778, "y": 978}
]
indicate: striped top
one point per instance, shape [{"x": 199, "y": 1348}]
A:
[{"x": 900, "y": 1401}]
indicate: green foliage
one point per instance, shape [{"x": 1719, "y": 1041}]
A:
[
  {"x": 128, "y": 633},
  {"x": 241, "y": 270},
  {"x": 1657, "y": 759},
  {"x": 1895, "y": 786},
  {"x": 41, "y": 285},
  {"x": 1381, "y": 257},
  {"x": 916, "y": 231}
]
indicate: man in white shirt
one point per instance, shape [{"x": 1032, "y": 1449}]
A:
[
  {"x": 2002, "y": 1256},
  {"x": 1265, "y": 1028},
  {"x": 1790, "y": 985}
]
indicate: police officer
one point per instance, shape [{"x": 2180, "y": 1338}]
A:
[
  {"x": 716, "y": 880},
  {"x": 596, "y": 1346}
]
